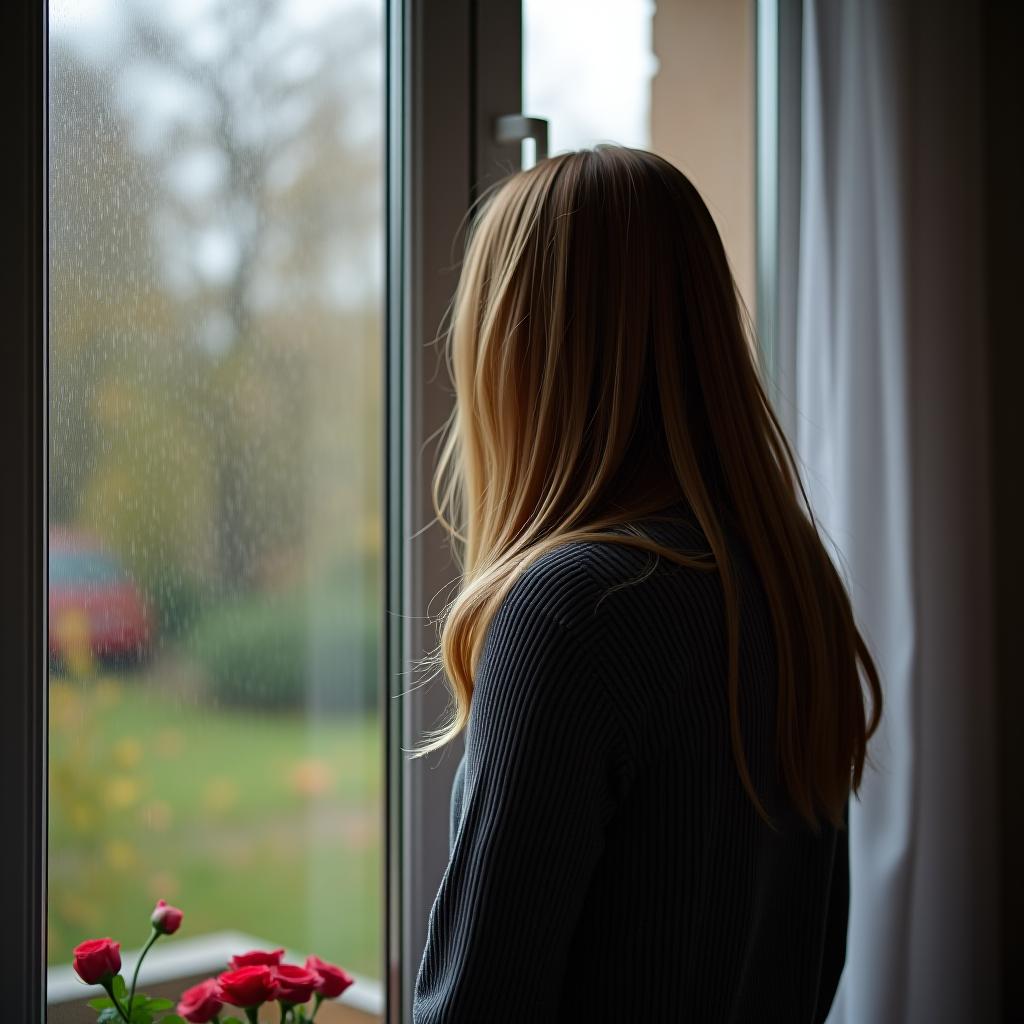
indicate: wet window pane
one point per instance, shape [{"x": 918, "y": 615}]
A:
[{"x": 215, "y": 417}]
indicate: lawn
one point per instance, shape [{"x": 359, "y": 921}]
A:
[{"x": 267, "y": 824}]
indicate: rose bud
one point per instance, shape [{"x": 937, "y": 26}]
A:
[
  {"x": 248, "y": 986},
  {"x": 202, "y": 1003},
  {"x": 97, "y": 960},
  {"x": 295, "y": 985},
  {"x": 333, "y": 980},
  {"x": 257, "y": 957},
  {"x": 166, "y": 919}
]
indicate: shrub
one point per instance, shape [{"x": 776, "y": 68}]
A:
[
  {"x": 177, "y": 601},
  {"x": 291, "y": 651}
]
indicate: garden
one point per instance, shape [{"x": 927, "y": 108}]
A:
[{"x": 265, "y": 822}]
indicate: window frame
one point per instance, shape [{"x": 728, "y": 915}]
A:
[
  {"x": 452, "y": 68},
  {"x": 24, "y": 541},
  {"x": 777, "y": 170}
]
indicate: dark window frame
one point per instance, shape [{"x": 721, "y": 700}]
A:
[{"x": 23, "y": 550}]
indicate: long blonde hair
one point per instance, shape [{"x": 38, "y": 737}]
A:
[{"x": 603, "y": 371}]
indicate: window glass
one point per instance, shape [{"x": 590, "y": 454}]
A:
[
  {"x": 587, "y": 68},
  {"x": 216, "y": 215},
  {"x": 675, "y": 78}
]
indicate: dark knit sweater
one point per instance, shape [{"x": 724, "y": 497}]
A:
[{"x": 606, "y": 863}]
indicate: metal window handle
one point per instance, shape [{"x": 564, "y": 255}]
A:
[{"x": 518, "y": 127}]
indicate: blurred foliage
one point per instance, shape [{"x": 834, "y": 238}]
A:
[
  {"x": 297, "y": 650},
  {"x": 221, "y": 425}
]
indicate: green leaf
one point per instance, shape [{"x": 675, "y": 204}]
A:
[
  {"x": 141, "y": 1014},
  {"x": 231, "y": 1020},
  {"x": 119, "y": 987},
  {"x": 173, "y": 1019},
  {"x": 100, "y": 1004},
  {"x": 160, "y": 1004},
  {"x": 107, "y": 1015}
]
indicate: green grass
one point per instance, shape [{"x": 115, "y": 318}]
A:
[{"x": 267, "y": 824}]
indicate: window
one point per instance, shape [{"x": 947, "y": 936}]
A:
[
  {"x": 215, "y": 477},
  {"x": 243, "y": 402}
]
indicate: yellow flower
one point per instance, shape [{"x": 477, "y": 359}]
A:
[
  {"x": 71, "y": 628},
  {"x": 65, "y": 707},
  {"x": 82, "y": 816},
  {"x": 122, "y": 791},
  {"x": 119, "y": 855},
  {"x": 127, "y": 752}
]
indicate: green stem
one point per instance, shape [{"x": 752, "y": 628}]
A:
[
  {"x": 284, "y": 1012},
  {"x": 109, "y": 987},
  {"x": 317, "y": 1000},
  {"x": 138, "y": 963},
  {"x": 251, "y": 1012}
]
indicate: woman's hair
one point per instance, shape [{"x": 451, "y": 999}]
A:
[{"x": 603, "y": 371}]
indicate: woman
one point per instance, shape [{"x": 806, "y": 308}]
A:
[{"x": 655, "y": 659}]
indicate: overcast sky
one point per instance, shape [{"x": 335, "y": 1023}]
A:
[
  {"x": 587, "y": 68},
  {"x": 587, "y": 63}
]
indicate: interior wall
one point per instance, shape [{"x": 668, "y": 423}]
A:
[
  {"x": 1004, "y": 87},
  {"x": 703, "y": 110}
]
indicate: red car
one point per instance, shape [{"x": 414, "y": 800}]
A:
[{"x": 94, "y": 605}]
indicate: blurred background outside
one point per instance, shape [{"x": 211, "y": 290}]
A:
[{"x": 216, "y": 218}]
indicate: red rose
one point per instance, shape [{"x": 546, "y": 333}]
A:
[
  {"x": 257, "y": 957},
  {"x": 248, "y": 986},
  {"x": 201, "y": 1003},
  {"x": 333, "y": 980},
  {"x": 295, "y": 985},
  {"x": 166, "y": 919},
  {"x": 97, "y": 960}
]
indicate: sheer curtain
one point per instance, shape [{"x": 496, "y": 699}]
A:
[{"x": 886, "y": 401}]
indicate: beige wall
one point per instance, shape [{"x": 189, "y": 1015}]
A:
[{"x": 702, "y": 114}]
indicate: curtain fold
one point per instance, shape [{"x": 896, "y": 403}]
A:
[{"x": 889, "y": 419}]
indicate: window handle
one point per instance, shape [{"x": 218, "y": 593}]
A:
[{"x": 518, "y": 127}]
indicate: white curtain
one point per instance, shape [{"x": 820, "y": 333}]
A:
[{"x": 887, "y": 408}]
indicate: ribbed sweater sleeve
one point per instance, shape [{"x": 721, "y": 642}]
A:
[{"x": 545, "y": 766}]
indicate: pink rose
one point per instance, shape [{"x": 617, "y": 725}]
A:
[
  {"x": 333, "y": 980},
  {"x": 257, "y": 957},
  {"x": 201, "y": 1003},
  {"x": 166, "y": 919},
  {"x": 295, "y": 985},
  {"x": 97, "y": 960},
  {"x": 248, "y": 986}
]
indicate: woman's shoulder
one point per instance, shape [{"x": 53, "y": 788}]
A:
[
  {"x": 570, "y": 582},
  {"x": 559, "y": 584}
]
